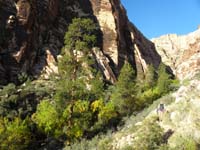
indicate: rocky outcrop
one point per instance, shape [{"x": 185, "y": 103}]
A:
[
  {"x": 181, "y": 53},
  {"x": 121, "y": 39},
  {"x": 36, "y": 27}
]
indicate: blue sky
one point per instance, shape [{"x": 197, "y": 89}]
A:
[{"x": 157, "y": 17}]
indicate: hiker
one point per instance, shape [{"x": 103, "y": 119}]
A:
[{"x": 160, "y": 111}]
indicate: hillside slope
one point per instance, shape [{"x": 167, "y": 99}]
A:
[{"x": 181, "y": 116}]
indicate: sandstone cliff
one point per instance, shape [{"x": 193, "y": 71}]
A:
[
  {"x": 181, "y": 53},
  {"x": 34, "y": 32}
]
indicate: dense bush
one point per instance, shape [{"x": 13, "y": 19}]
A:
[
  {"x": 22, "y": 100},
  {"x": 47, "y": 118},
  {"x": 182, "y": 142},
  {"x": 77, "y": 120},
  {"x": 149, "y": 136},
  {"x": 14, "y": 134}
]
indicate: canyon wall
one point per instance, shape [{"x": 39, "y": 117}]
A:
[
  {"x": 34, "y": 31},
  {"x": 181, "y": 53}
]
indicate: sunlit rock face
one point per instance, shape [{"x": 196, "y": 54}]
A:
[
  {"x": 181, "y": 53},
  {"x": 35, "y": 27},
  {"x": 121, "y": 39}
]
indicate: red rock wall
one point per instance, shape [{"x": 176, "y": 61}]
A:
[{"x": 39, "y": 26}]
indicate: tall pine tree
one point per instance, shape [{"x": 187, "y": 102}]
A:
[
  {"x": 79, "y": 80},
  {"x": 123, "y": 95}
]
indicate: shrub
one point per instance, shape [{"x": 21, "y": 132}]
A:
[
  {"x": 47, "y": 118},
  {"x": 178, "y": 141},
  {"x": 149, "y": 134},
  {"x": 77, "y": 119},
  {"x": 14, "y": 134},
  {"x": 107, "y": 114}
]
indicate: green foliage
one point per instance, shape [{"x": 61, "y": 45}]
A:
[
  {"x": 46, "y": 117},
  {"x": 22, "y": 100},
  {"x": 104, "y": 114},
  {"x": 164, "y": 147},
  {"x": 154, "y": 85},
  {"x": 149, "y": 134},
  {"x": 123, "y": 96},
  {"x": 14, "y": 134},
  {"x": 82, "y": 117},
  {"x": 79, "y": 40},
  {"x": 81, "y": 35},
  {"x": 23, "y": 77},
  {"x": 164, "y": 80},
  {"x": 148, "y": 96},
  {"x": 77, "y": 118},
  {"x": 107, "y": 114},
  {"x": 197, "y": 76},
  {"x": 99, "y": 142},
  {"x": 150, "y": 77},
  {"x": 8, "y": 90},
  {"x": 78, "y": 79}
]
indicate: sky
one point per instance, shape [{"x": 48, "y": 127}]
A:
[{"x": 158, "y": 17}]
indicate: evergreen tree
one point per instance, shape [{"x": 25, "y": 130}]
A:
[
  {"x": 164, "y": 80},
  {"x": 123, "y": 95},
  {"x": 150, "y": 79},
  {"x": 79, "y": 80}
]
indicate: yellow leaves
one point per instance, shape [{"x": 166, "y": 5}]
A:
[
  {"x": 108, "y": 112},
  {"x": 81, "y": 106},
  {"x": 67, "y": 112},
  {"x": 97, "y": 105},
  {"x": 75, "y": 130}
]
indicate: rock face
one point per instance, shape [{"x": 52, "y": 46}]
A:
[
  {"x": 181, "y": 53},
  {"x": 31, "y": 28}
]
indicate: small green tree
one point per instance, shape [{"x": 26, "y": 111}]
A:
[
  {"x": 150, "y": 78},
  {"x": 164, "y": 80},
  {"x": 123, "y": 95}
]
